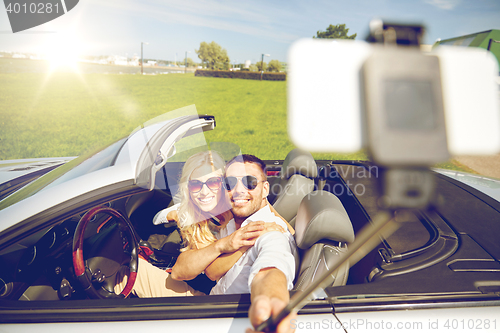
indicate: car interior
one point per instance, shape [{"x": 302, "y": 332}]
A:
[{"x": 321, "y": 199}]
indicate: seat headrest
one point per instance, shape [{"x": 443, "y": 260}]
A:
[
  {"x": 299, "y": 162},
  {"x": 321, "y": 215}
]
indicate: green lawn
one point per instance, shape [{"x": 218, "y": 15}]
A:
[{"x": 66, "y": 114}]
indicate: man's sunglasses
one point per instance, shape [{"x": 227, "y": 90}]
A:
[
  {"x": 250, "y": 182},
  {"x": 213, "y": 184}
]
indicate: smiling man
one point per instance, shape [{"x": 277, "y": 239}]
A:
[
  {"x": 267, "y": 269},
  {"x": 246, "y": 182}
]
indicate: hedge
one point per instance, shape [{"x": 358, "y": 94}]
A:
[{"x": 242, "y": 75}]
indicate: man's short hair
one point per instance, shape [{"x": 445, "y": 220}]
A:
[{"x": 247, "y": 158}]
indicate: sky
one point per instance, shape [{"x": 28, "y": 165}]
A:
[{"x": 246, "y": 29}]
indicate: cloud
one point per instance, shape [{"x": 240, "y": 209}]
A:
[
  {"x": 444, "y": 4},
  {"x": 252, "y": 20}
]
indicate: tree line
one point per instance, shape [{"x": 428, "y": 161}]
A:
[{"x": 214, "y": 57}]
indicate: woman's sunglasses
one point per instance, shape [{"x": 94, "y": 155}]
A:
[
  {"x": 250, "y": 182},
  {"x": 213, "y": 184}
]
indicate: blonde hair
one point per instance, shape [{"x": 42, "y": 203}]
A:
[{"x": 194, "y": 224}]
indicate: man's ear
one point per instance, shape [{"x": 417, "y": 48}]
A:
[{"x": 265, "y": 189}]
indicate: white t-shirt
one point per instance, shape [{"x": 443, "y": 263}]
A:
[{"x": 273, "y": 249}]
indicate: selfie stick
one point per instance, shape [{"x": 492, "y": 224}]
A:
[{"x": 383, "y": 224}]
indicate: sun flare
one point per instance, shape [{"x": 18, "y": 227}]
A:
[{"x": 63, "y": 52}]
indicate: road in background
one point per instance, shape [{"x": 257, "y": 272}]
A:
[{"x": 484, "y": 165}]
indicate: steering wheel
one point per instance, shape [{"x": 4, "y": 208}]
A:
[{"x": 102, "y": 265}]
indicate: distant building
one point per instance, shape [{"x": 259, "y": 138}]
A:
[
  {"x": 120, "y": 60},
  {"x": 134, "y": 61}
]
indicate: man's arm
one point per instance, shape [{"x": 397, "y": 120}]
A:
[
  {"x": 270, "y": 282},
  {"x": 224, "y": 262},
  {"x": 192, "y": 262},
  {"x": 269, "y": 296},
  {"x": 270, "y": 278}
]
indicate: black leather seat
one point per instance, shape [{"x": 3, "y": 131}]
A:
[{"x": 322, "y": 231}]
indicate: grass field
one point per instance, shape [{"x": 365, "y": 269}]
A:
[{"x": 67, "y": 114}]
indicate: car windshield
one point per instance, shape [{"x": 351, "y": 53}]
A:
[{"x": 79, "y": 166}]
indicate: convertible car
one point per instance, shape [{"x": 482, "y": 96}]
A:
[{"x": 68, "y": 226}]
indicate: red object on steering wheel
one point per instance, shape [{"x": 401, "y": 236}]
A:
[{"x": 83, "y": 274}]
